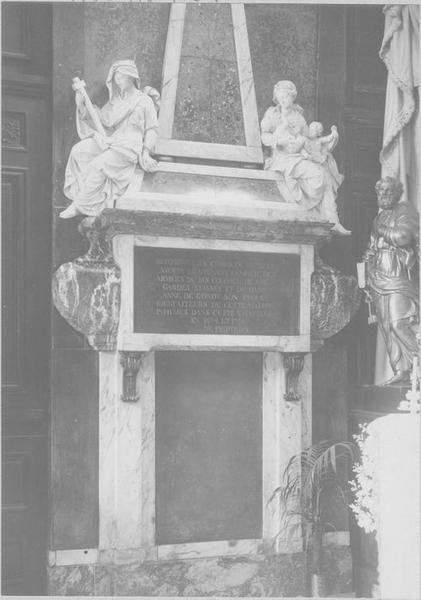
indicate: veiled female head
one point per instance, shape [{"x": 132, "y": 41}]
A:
[{"x": 123, "y": 75}]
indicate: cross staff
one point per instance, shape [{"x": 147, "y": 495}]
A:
[{"x": 78, "y": 85}]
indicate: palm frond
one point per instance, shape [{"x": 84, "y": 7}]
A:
[{"x": 312, "y": 474}]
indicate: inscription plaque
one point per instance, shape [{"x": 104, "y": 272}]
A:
[{"x": 215, "y": 292}]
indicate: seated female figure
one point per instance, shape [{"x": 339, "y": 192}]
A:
[
  {"x": 100, "y": 167},
  {"x": 308, "y": 183}
]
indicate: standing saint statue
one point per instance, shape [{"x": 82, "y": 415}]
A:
[
  {"x": 114, "y": 140},
  {"x": 309, "y": 182},
  {"x": 391, "y": 259}
]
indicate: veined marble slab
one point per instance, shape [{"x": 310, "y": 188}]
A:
[{"x": 213, "y": 205}]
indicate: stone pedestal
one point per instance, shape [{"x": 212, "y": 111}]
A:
[
  {"x": 395, "y": 442},
  {"x": 238, "y": 284}
]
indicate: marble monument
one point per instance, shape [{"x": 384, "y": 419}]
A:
[{"x": 204, "y": 295}]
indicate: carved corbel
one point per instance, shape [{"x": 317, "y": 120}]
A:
[
  {"x": 130, "y": 361},
  {"x": 293, "y": 365}
]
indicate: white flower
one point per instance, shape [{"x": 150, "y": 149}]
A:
[{"x": 364, "y": 484}]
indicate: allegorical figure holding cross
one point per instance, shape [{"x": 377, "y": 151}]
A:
[{"x": 114, "y": 140}]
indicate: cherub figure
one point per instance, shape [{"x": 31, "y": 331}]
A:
[{"x": 318, "y": 148}]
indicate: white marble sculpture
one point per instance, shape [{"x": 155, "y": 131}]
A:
[
  {"x": 302, "y": 155},
  {"x": 115, "y": 139}
]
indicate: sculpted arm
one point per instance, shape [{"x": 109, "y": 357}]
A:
[
  {"x": 331, "y": 140},
  {"x": 267, "y": 127},
  {"x": 149, "y": 139},
  {"x": 402, "y": 234}
]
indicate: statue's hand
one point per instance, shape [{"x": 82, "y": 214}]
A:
[
  {"x": 148, "y": 163},
  {"x": 80, "y": 100}
]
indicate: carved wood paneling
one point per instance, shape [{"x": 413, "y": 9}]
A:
[
  {"x": 23, "y": 511},
  {"x": 15, "y": 31},
  {"x": 363, "y": 127},
  {"x": 26, "y": 198},
  {"x": 366, "y": 73},
  {"x": 13, "y": 130},
  {"x": 13, "y": 278}
]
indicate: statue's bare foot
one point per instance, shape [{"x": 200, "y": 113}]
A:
[
  {"x": 340, "y": 230},
  {"x": 70, "y": 212},
  {"x": 398, "y": 377}
]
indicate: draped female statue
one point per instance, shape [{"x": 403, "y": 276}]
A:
[
  {"x": 310, "y": 182},
  {"x": 102, "y": 164}
]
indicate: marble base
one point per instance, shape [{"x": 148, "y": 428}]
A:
[{"x": 265, "y": 575}]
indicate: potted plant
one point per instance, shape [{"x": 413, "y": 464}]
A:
[{"x": 313, "y": 480}]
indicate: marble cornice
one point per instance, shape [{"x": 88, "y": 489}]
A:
[{"x": 122, "y": 221}]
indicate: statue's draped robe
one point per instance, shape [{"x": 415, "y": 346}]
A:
[
  {"x": 392, "y": 277},
  {"x": 311, "y": 185},
  {"x": 97, "y": 173},
  {"x": 401, "y": 153}
]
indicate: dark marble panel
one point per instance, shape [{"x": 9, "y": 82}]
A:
[
  {"x": 208, "y": 446},
  {"x": 191, "y": 119},
  {"x": 231, "y": 187},
  {"x": 74, "y": 439},
  {"x": 226, "y": 114},
  {"x": 208, "y": 103},
  {"x": 283, "y": 45}
]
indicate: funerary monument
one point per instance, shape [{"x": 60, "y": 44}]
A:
[{"x": 204, "y": 296}]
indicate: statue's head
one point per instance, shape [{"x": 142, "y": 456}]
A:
[
  {"x": 315, "y": 129},
  {"x": 122, "y": 75},
  {"x": 284, "y": 93},
  {"x": 388, "y": 190}
]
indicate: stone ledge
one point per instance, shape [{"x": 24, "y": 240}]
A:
[{"x": 138, "y": 222}]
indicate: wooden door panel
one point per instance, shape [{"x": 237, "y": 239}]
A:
[
  {"x": 26, "y": 260},
  {"x": 24, "y": 512},
  {"x": 14, "y": 182},
  {"x": 26, "y": 225}
]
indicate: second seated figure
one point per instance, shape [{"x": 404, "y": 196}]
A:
[
  {"x": 302, "y": 156},
  {"x": 100, "y": 167}
]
